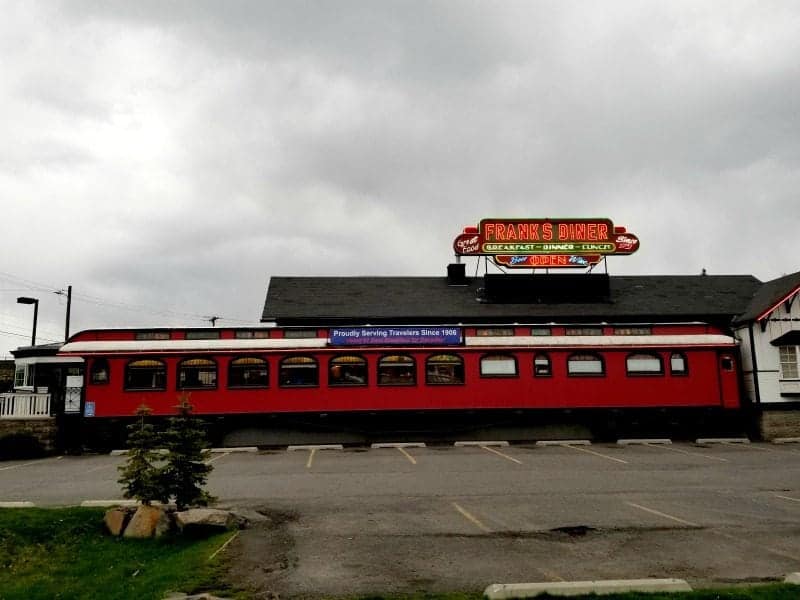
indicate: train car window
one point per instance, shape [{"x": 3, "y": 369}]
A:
[
  {"x": 297, "y": 334},
  {"x": 197, "y": 373},
  {"x": 249, "y": 334},
  {"x": 98, "y": 374},
  {"x": 788, "y": 356},
  {"x": 146, "y": 374},
  {"x": 585, "y": 364},
  {"x": 494, "y": 331},
  {"x": 397, "y": 369},
  {"x": 444, "y": 369},
  {"x": 347, "y": 371},
  {"x": 583, "y": 331},
  {"x": 498, "y": 365},
  {"x": 633, "y": 330},
  {"x": 678, "y": 364},
  {"x": 542, "y": 366},
  {"x": 151, "y": 335},
  {"x": 248, "y": 372},
  {"x": 726, "y": 363},
  {"x": 202, "y": 335},
  {"x": 644, "y": 364},
  {"x": 536, "y": 331},
  {"x": 299, "y": 371}
]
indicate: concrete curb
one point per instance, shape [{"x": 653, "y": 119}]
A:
[
  {"x": 19, "y": 504},
  {"x": 642, "y": 441},
  {"x": 792, "y": 578},
  {"x": 125, "y": 452},
  {"x": 480, "y": 443},
  {"x": 742, "y": 440},
  {"x": 786, "y": 440},
  {"x": 399, "y": 445},
  {"x": 502, "y": 591},
  {"x": 315, "y": 447},
  {"x": 235, "y": 449},
  {"x": 564, "y": 443},
  {"x": 107, "y": 503}
]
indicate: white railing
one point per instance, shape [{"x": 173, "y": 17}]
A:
[{"x": 24, "y": 406}]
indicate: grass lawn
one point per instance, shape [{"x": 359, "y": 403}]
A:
[{"x": 65, "y": 553}]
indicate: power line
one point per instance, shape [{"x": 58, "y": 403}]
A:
[
  {"x": 111, "y": 303},
  {"x": 27, "y": 335}
]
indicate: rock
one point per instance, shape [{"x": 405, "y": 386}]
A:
[
  {"x": 116, "y": 519},
  {"x": 246, "y": 517},
  {"x": 147, "y": 521},
  {"x": 205, "y": 518}
]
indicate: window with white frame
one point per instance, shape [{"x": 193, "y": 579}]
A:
[
  {"x": 789, "y": 368},
  {"x": 21, "y": 376}
]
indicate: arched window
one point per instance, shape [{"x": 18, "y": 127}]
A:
[
  {"x": 299, "y": 371},
  {"x": 146, "y": 374},
  {"x": 98, "y": 374},
  {"x": 397, "y": 369},
  {"x": 197, "y": 374},
  {"x": 498, "y": 365},
  {"x": 542, "y": 366},
  {"x": 642, "y": 363},
  {"x": 678, "y": 364},
  {"x": 585, "y": 364},
  {"x": 444, "y": 369},
  {"x": 347, "y": 371},
  {"x": 248, "y": 372}
]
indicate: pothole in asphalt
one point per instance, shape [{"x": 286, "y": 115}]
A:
[{"x": 574, "y": 530}]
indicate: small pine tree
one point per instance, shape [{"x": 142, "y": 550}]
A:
[
  {"x": 186, "y": 471},
  {"x": 141, "y": 475}
]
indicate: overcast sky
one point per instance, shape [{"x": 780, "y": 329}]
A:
[{"x": 166, "y": 159}]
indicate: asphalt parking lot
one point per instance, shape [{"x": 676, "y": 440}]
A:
[{"x": 362, "y": 520}]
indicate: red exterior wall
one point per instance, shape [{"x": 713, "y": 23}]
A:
[{"x": 705, "y": 384}]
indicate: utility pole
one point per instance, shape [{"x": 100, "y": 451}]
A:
[{"x": 69, "y": 306}]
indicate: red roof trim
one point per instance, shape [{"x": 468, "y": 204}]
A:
[{"x": 772, "y": 308}]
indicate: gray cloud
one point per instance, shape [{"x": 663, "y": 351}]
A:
[{"x": 171, "y": 156}]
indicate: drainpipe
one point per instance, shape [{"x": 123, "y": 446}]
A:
[{"x": 755, "y": 364}]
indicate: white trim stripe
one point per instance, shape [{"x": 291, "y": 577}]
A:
[
  {"x": 599, "y": 341},
  {"x": 126, "y": 346}
]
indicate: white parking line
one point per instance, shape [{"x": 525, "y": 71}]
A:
[
  {"x": 310, "y": 457},
  {"x": 506, "y": 456},
  {"x": 787, "y": 498},
  {"x": 223, "y": 455},
  {"x": 661, "y": 514},
  {"x": 579, "y": 449},
  {"x": 405, "y": 453},
  {"x": 471, "y": 518},
  {"x": 681, "y": 451}
]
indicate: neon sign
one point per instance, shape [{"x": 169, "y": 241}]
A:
[{"x": 548, "y": 243}]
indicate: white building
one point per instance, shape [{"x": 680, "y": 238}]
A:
[{"x": 769, "y": 333}]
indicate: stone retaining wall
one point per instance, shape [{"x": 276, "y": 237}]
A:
[
  {"x": 45, "y": 431},
  {"x": 779, "y": 424}
]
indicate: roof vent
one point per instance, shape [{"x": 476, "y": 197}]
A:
[{"x": 457, "y": 274}]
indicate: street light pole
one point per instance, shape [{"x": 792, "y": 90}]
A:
[{"x": 35, "y": 302}]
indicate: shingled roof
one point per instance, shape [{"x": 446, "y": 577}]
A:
[
  {"x": 421, "y": 300},
  {"x": 769, "y": 295}
]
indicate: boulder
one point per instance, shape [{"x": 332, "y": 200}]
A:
[
  {"x": 116, "y": 519},
  {"x": 205, "y": 518},
  {"x": 147, "y": 521}
]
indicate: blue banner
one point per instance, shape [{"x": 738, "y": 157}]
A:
[{"x": 391, "y": 336}]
